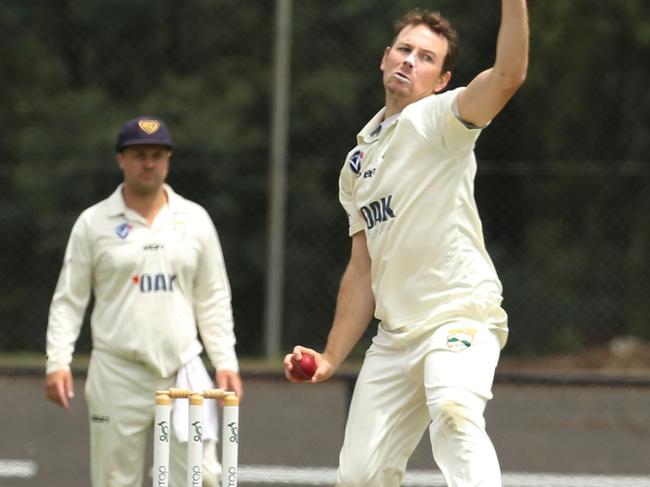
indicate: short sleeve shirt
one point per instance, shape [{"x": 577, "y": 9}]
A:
[{"x": 410, "y": 187}]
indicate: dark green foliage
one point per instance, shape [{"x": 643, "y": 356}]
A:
[{"x": 563, "y": 184}]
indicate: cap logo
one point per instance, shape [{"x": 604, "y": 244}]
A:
[{"x": 149, "y": 126}]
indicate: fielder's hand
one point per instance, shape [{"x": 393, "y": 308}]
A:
[{"x": 59, "y": 387}]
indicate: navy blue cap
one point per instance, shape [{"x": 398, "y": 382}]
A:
[{"x": 143, "y": 130}]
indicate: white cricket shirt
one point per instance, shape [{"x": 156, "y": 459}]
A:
[
  {"x": 152, "y": 286},
  {"x": 410, "y": 187}
]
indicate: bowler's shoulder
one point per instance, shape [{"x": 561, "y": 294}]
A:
[
  {"x": 436, "y": 100},
  {"x": 426, "y": 116}
]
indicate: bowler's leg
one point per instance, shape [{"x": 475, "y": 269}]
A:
[
  {"x": 458, "y": 385},
  {"x": 386, "y": 420}
]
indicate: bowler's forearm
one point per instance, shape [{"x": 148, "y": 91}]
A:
[
  {"x": 355, "y": 307},
  {"x": 511, "y": 62}
]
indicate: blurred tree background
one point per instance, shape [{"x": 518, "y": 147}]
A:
[{"x": 564, "y": 172}]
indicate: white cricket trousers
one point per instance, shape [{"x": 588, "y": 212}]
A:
[
  {"x": 121, "y": 407},
  {"x": 442, "y": 380}
]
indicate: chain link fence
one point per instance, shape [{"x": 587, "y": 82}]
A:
[{"x": 564, "y": 174}]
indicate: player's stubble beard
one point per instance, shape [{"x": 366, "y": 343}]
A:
[{"x": 147, "y": 185}]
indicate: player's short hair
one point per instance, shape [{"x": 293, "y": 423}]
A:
[{"x": 438, "y": 24}]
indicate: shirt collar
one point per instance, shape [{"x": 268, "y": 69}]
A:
[
  {"x": 375, "y": 126},
  {"x": 117, "y": 206}
]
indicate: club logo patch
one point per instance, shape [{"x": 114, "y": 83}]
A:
[
  {"x": 122, "y": 230},
  {"x": 149, "y": 126},
  {"x": 355, "y": 161},
  {"x": 460, "y": 339}
]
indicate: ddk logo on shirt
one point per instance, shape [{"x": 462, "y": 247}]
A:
[
  {"x": 378, "y": 211},
  {"x": 154, "y": 283},
  {"x": 355, "y": 161}
]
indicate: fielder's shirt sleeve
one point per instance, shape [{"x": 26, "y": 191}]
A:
[
  {"x": 70, "y": 298},
  {"x": 212, "y": 303}
]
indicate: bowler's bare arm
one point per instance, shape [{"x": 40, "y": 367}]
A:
[
  {"x": 487, "y": 94},
  {"x": 355, "y": 306}
]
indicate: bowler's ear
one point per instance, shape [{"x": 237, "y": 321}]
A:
[
  {"x": 443, "y": 81},
  {"x": 383, "y": 58}
]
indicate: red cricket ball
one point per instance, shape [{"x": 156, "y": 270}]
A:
[{"x": 305, "y": 368}]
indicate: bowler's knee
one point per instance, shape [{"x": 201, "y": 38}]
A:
[
  {"x": 453, "y": 416},
  {"x": 456, "y": 415}
]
